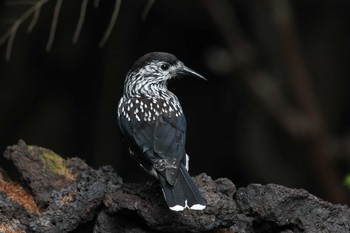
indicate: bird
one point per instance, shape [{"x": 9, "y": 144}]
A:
[{"x": 153, "y": 124}]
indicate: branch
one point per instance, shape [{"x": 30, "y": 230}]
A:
[
  {"x": 54, "y": 25},
  {"x": 80, "y": 21},
  {"x": 36, "y": 15},
  {"x": 35, "y": 11},
  {"x": 11, "y": 33},
  {"x": 111, "y": 23},
  {"x": 147, "y": 8},
  {"x": 96, "y": 3}
]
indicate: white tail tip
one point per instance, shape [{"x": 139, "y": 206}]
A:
[
  {"x": 181, "y": 208},
  {"x": 197, "y": 207},
  {"x": 177, "y": 208}
]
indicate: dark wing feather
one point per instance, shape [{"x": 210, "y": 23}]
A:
[
  {"x": 138, "y": 133},
  {"x": 169, "y": 143},
  {"x": 169, "y": 137},
  {"x": 163, "y": 138}
]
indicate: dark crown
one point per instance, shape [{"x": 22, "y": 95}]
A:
[{"x": 154, "y": 56}]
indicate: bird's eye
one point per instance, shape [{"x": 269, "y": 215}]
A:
[{"x": 164, "y": 66}]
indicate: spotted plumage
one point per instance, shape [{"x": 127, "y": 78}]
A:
[{"x": 152, "y": 121}]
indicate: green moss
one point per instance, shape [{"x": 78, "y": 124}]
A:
[{"x": 53, "y": 162}]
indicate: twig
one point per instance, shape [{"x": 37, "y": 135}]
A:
[
  {"x": 11, "y": 33},
  {"x": 96, "y": 3},
  {"x": 54, "y": 25},
  {"x": 11, "y": 39},
  {"x": 17, "y": 23},
  {"x": 81, "y": 21},
  {"x": 5, "y": 36},
  {"x": 148, "y": 7},
  {"x": 37, "y": 6},
  {"x": 111, "y": 23},
  {"x": 19, "y": 3}
]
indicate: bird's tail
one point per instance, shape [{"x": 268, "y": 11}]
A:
[{"x": 184, "y": 194}]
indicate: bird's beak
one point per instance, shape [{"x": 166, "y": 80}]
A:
[{"x": 188, "y": 71}]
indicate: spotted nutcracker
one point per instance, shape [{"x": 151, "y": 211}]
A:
[{"x": 153, "y": 123}]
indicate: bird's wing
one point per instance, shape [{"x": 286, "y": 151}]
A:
[
  {"x": 137, "y": 132},
  {"x": 160, "y": 142},
  {"x": 169, "y": 144}
]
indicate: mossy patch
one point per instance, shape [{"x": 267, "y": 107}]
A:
[{"x": 54, "y": 162}]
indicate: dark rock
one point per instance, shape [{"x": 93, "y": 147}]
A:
[
  {"x": 107, "y": 223},
  {"x": 77, "y": 204},
  {"x": 12, "y": 210},
  {"x": 147, "y": 203},
  {"x": 279, "y": 209},
  {"x": 11, "y": 225},
  {"x": 77, "y": 198},
  {"x": 42, "y": 170}
]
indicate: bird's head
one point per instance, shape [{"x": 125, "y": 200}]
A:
[{"x": 154, "y": 70}]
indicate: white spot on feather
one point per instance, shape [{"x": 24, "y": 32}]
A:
[{"x": 138, "y": 118}]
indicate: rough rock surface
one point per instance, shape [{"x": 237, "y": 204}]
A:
[
  {"x": 275, "y": 207},
  {"x": 61, "y": 195},
  {"x": 148, "y": 204}
]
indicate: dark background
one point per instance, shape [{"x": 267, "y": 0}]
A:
[{"x": 275, "y": 108}]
